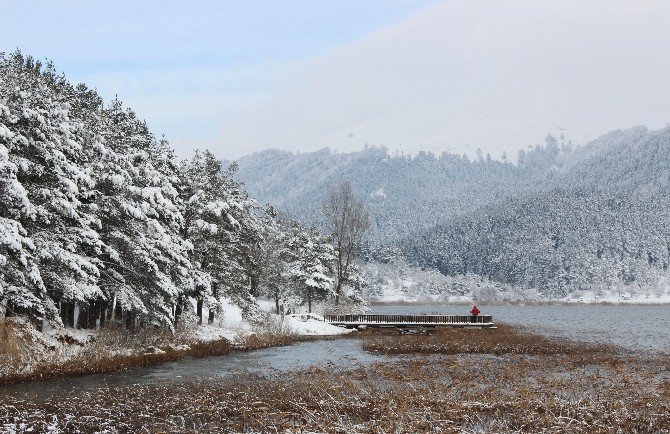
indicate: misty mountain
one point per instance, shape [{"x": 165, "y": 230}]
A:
[
  {"x": 560, "y": 219},
  {"x": 403, "y": 194},
  {"x": 408, "y": 194}
]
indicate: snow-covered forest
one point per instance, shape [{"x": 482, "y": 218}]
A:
[
  {"x": 99, "y": 222},
  {"x": 559, "y": 219}
]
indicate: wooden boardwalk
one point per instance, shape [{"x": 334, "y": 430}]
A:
[{"x": 410, "y": 320}]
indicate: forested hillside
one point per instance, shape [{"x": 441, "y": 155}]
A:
[
  {"x": 99, "y": 222},
  {"x": 403, "y": 194},
  {"x": 558, "y": 242},
  {"x": 558, "y": 220}
]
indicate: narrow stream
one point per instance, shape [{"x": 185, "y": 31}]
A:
[{"x": 328, "y": 353}]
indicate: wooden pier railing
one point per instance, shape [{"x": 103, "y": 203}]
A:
[{"x": 410, "y": 320}]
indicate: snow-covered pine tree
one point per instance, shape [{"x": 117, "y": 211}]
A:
[
  {"x": 21, "y": 287},
  {"x": 272, "y": 258},
  {"x": 312, "y": 267},
  {"x": 220, "y": 225},
  {"x": 46, "y": 146},
  {"x": 139, "y": 206}
]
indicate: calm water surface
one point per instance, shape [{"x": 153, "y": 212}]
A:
[{"x": 645, "y": 328}]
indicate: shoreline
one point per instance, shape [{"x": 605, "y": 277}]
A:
[
  {"x": 453, "y": 380},
  {"x": 133, "y": 356},
  {"x": 32, "y": 356},
  {"x": 422, "y": 303},
  {"x": 123, "y": 362}
]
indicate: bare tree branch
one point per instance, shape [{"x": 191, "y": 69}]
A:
[{"x": 347, "y": 220}]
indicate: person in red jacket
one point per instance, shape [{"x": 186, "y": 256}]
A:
[{"x": 474, "y": 312}]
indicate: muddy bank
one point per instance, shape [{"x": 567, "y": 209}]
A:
[{"x": 504, "y": 380}]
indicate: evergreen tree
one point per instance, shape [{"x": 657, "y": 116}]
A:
[
  {"x": 220, "y": 225},
  {"x": 310, "y": 268},
  {"x": 48, "y": 150}
]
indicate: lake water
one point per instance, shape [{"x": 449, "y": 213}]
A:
[
  {"x": 645, "y": 328},
  {"x": 642, "y": 328}
]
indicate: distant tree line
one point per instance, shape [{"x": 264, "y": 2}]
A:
[{"x": 558, "y": 242}]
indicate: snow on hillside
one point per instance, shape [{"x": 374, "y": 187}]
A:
[{"x": 399, "y": 282}]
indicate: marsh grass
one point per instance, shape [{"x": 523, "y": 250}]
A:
[
  {"x": 10, "y": 347},
  {"x": 504, "y": 339},
  {"x": 448, "y": 382}
]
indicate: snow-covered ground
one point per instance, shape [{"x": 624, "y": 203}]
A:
[
  {"x": 233, "y": 327},
  {"x": 312, "y": 327},
  {"x": 300, "y": 324},
  {"x": 402, "y": 283},
  {"x": 25, "y": 349},
  {"x": 588, "y": 297},
  {"x": 397, "y": 295}
]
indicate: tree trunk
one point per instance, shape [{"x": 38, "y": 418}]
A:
[
  {"x": 70, "y": 314},
  {"x": 215, "y": 293},
  {"x": 309, "y": 302},
  {"x": 338, "y": 286},
  {"x": 130, "y": 320},
  {"x": 118, "y": 313},
  {"x": 112, "y": 307},
  {"x": 93, "y": 314},
  {"x": 253, "y": 286},
  {"x": 177, "y": 311},
  {"x": 277, "y": 302},
  {"x": 103, "y": 312},
  {"x": 62, "y": 308},
  {"x": 198, "y": 310},
  {"x": 82, "y": 319}
]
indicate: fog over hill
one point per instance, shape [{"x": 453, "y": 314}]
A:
[
  {"x": 561, "y": 220},
  {"x": 408, "y": 194}
]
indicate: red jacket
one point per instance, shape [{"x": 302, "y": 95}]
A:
[{"x": 474, "y": 311}]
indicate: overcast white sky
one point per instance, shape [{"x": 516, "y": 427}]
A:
[{"x": 456, "y": 75}]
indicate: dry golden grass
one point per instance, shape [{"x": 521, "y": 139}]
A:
[
  {"x": 10, "y": 347},
  {"x": 9, "y": 341},
  {"x": 451, "y": 395},
  {"x": 453, "y": 381},
  {"x": 501, "y": 340}
]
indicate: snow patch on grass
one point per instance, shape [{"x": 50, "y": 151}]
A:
[{"x": 314, "y": 327}]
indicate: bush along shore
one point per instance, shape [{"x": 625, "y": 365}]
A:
[{"x": 498, "y": 380}]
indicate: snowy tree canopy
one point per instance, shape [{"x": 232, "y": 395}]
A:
[{"x": 99, "y": 217}]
